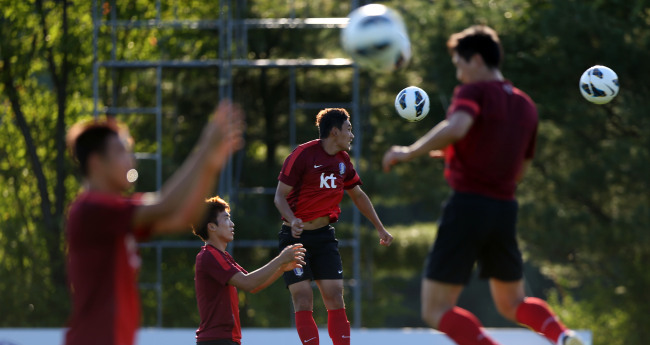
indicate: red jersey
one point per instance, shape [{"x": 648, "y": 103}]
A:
[
  {"x": 102, "y": 266},
  {"x": 318, "y": 180},
  {"x": 217, "y": 301},
  {"x": 489, "y": 158}
]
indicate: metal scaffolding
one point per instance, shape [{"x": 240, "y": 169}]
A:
[{"x": 232, "y": 53}]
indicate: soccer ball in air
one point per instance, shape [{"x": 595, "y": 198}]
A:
[
  {"x": 599, "y": 84},
  {"x": 376, "y": 38},
  {"x": 412, "y": 103}
]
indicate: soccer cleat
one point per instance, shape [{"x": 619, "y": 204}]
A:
[{"x": 570, "y": 338}]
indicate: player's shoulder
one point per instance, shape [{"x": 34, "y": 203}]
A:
[
  {"x": 306, "y": 149},
  {"x": 344, "y": 155},
  {"x": 310, "y": 145},
  {"x": 207, "y": 255},
  {"x": 521, "y": 93},
  {"x": 91, "y": 201}
]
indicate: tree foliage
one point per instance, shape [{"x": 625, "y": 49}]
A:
[{"x": 585, "y": 204}]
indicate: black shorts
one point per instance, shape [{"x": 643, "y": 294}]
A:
[
  {"x": 475, "y": 228},
  {"x": 323, "y": 260}
]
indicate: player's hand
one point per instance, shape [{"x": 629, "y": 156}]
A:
[
  {"x": 223, "y": 135},
  {"x": 437, "y": 154},
  {"x": 385, "y": 238},
  {"x": 292, "y": 257},
  {"x": 395, "y": 155},
  {"x": 296, "y": 227}
]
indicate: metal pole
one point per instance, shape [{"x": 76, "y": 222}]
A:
[
  {"x": 356, "y": 216},
  {"x": 229, "y": 88},
  {"x": 95, "y": 62},
  {"x": 159, "y": 314},
  {"x": 114, "y": 53},
  {"x": 292, "y": 108},
  {"x": 158, "y": 128},
  {"x": 222, "y": 93}
]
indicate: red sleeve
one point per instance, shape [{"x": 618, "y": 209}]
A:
[
  {"x": 293, "y": 168},
  {"x": 466, "y": 98},
  {"x": 351, "y": 179},
  {"x": 142, "y": 233},
  {"x": 530, "y": 150},
  {"x": 217, "y": 267}
]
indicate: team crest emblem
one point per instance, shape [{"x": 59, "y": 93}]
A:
[
  {"x": 298, "y": 271},
  {"x": 341, "y": 168}
]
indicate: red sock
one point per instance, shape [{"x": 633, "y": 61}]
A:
[
  {"x": 536, "y": 314},
  {"x": 464, "y": 328},
  {"x": 306, "y": 326},
  {"x": 338, "y": 326}
]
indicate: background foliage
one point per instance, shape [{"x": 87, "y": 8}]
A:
[{"x": 585, "y": 206}]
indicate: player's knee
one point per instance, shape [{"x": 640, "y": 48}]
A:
[
  {"x": 301, "y": 303},
  {"x": 334, "y": 298},
  {"x": 508, "y": 308},
  {"x": 302, "y": 300}
]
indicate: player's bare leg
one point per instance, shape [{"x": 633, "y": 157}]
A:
[
  {"x": 303, "y": 304},
  {"x": 513, "y": 304},
  {"x": 332, "y": 292},
  {"x": 437, "y": 299},
  {"x": 440, "y": 312},
  {"x": 507, "y": 297},
  {"x": 338, "y": 325}
]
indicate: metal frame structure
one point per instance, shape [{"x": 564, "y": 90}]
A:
[{"x": 233, "y": 36}]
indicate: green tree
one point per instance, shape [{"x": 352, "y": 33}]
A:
[{"x": 40, "y": 61}]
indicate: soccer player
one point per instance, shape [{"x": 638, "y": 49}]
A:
[
  {"x": 488, "y": 138},
  {"x": 218, "y": 276},
  {"x": 309, "y": 191},
  {"x": 104, "y": 224}
]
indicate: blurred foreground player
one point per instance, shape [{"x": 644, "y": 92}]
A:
[
  {"x": 489, "y": 140},
  {"x": 104, "y": 224},
  {"x": 218, "y": 276},
  {"x": 309, "y": 191}
]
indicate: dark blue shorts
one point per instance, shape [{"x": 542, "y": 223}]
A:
[
  {"x": 475, "y": 228},
  {"x": 323, "y": 260}
]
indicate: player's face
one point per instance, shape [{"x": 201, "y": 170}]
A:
[
  {"x": 225, "y": 227},
  {"x": 464, "y": 68},
  {"x": 344, "y": 136},
  {"x": 116, "y": 163}
]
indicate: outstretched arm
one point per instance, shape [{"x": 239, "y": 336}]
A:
[
  {"x": 363, "y": 203},
  {"x": 291, "y": 257},
  {"x": 442, "y": 135},
  {"x": 181, "y": 200}
]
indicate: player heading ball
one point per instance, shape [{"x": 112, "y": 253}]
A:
[
  {"x": 310, "y": 188},
  {"x": 488, "y": 140}
]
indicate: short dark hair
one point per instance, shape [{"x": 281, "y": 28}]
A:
[
  {"x": 87, "y": 137},
  {"x": 477, "y": 39},
  {"x": 329, "y": 118},
  {"x": 215, "y": 205}
]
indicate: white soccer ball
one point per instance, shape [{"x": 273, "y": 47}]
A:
[
  {"x": 412, "y": 103},
  {"x": 376, "y": 38},
  {"x": 599, "y": 84}
]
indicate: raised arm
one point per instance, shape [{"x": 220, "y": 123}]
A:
[
  {"x": 291, "y": 257},
  {"x": 282, "y": 205},
  {"x": 363, "y": 203},
  {"x": 181, "y": 200},
  {"x": 442, "y": 135}
]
